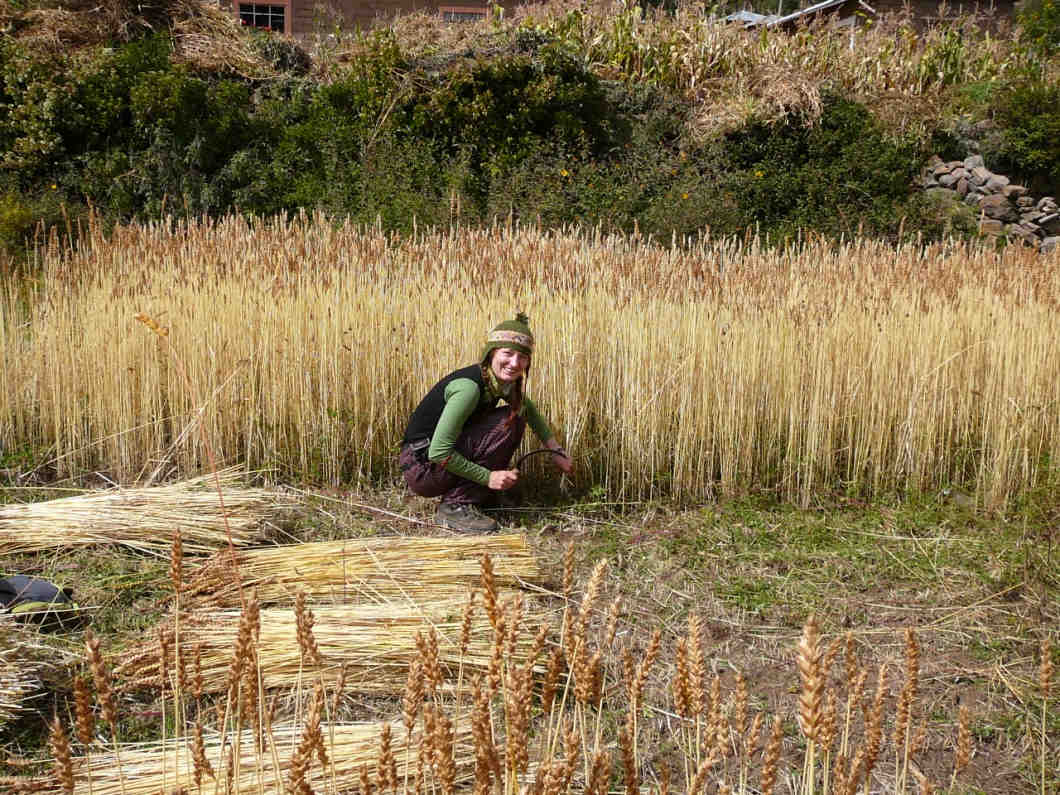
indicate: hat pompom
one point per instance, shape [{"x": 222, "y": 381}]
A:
[{"x": 521, "y": 317}]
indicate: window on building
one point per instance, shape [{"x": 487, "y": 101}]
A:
[
  {"x": 267, "y": 17},
  {"x": 462, "y": 13}
]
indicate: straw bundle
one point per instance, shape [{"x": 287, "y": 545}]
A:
[
  {"x": 362, "y": 570},
  {"x": 376, "y": 643},
  {"x": 23, "y": 655},
  {"x": 151, "y": 768},
  {"x": 141, "y": 518},
  {"x": 16, "y": 685}
]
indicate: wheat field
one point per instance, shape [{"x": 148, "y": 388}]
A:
[{"x": 693, "y": 370}]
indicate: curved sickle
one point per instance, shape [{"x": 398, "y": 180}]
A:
[{"x": 525, "y": 456}]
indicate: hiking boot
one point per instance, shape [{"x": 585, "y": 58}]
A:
[{"x": 465, "y": 519}]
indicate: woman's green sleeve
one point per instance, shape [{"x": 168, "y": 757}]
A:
[
  {"x": 461, "y": 400},
  {"x": 538, "y": 424}
]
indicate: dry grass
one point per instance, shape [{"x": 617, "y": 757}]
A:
[
  {"x": 142, "y": 518},
  {"x": 361, "y": 570},
  {"x": 204, "y": 35},
  {"x": 18, "y": 675},
  {"x": 693, "y": 371}
]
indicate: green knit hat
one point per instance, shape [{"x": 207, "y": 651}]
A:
[{"x": 514, "y": 334}]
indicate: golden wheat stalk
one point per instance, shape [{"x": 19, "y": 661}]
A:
[
  {"x": 380, "y": 569},
  {"x": 837, "y": 363},
  {"x": 375, "y": 643},
  {"x": 141, "y": 518}
]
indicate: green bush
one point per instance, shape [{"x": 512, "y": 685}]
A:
[
  {"x": 1028, "y": 145},
  {"x": 525, "y": 130},
  {"x": 1039, "y": 22},
  {"x": 24, "y": 218},
  {"x": 838, "y": 176},
  {"x": 99, "y": 113}
]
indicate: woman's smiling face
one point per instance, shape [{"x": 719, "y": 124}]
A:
[{"x": 509, "y": 364}]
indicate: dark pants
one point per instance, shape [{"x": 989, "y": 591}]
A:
[{"x": 488, "y": 439}]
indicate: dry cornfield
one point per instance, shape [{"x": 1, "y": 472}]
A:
[
  {"x": 701, "y": 369},
  {"x": 729, "y": 75}
]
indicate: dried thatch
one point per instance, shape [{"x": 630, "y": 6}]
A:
[
  {"x": 26, "y": 658},
  {"x": 210, "y": 38},
  {"x": 204, "y": 35},
  {"x": 18, "y": 681},
  {"x": 375, "y": 643},
  {"x": 142, "y": 518},
  {"x": 362, "y": 570}
]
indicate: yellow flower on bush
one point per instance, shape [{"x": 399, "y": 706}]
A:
[
  {"x": 684, "y": 195},
  {"x": 760, "y": 174},
  {"x": 54, "y": 186},
  {"x": 564, "y": 173}
]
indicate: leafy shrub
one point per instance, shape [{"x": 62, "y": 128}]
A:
[
  {"x": 98, "y": 114},
  {"x": 1028, "y": 146},
  {"x": 281, "y": 53},
  {"x": 496, "y": 112},
  {"x": 22, "y": 217},
  {"x": 840, "y": 175},
  {"x": 525, "y": 129},
  {"x": 1039, "y": 22}
]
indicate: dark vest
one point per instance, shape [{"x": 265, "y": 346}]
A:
[{"x": 425, "y": 418}]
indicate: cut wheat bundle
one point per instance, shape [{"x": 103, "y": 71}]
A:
[
  {"x": 386, "y": 569},
  {"x": 143, "y": 518},
  {"x": 17, "y": 684},
  {"x": 374, "y": 643},
  {"x": 151, "y": 768},
  {"x": 27, "y": 657}
]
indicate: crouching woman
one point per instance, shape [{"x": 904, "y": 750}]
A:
[{"x": 460, "y": 441}]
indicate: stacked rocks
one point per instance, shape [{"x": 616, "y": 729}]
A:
[{"x": 1004, "y": 208}]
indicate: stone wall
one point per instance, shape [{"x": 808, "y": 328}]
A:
[{"x": 1003, "y": 208}]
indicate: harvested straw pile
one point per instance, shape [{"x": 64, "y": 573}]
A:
[
  {"x": 26, "y": 657},
  {"x": 208, "y": 37},
  {"x": 141, "y": 518},
  {"x": 151, "y": 768},
  {"x": 204, "y": 35},
  {"x": 16, "y": 684},
  {"x": 375, "y": 643},
  {"x": 362, "y": 570}
]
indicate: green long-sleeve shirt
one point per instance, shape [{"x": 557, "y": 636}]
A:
[{"x": 461, "y": 401}]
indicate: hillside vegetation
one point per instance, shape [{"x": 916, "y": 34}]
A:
[{"x": 605, "y": 114}]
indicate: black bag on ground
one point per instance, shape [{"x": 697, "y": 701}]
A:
[{"x": 39, "y": 601}]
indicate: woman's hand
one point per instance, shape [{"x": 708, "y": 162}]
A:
[
  {"x": 503, "y": 479},
  {"x": 560, "y": 458}
]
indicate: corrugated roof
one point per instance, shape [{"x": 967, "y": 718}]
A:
[{"x": 750, "y": 19}]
